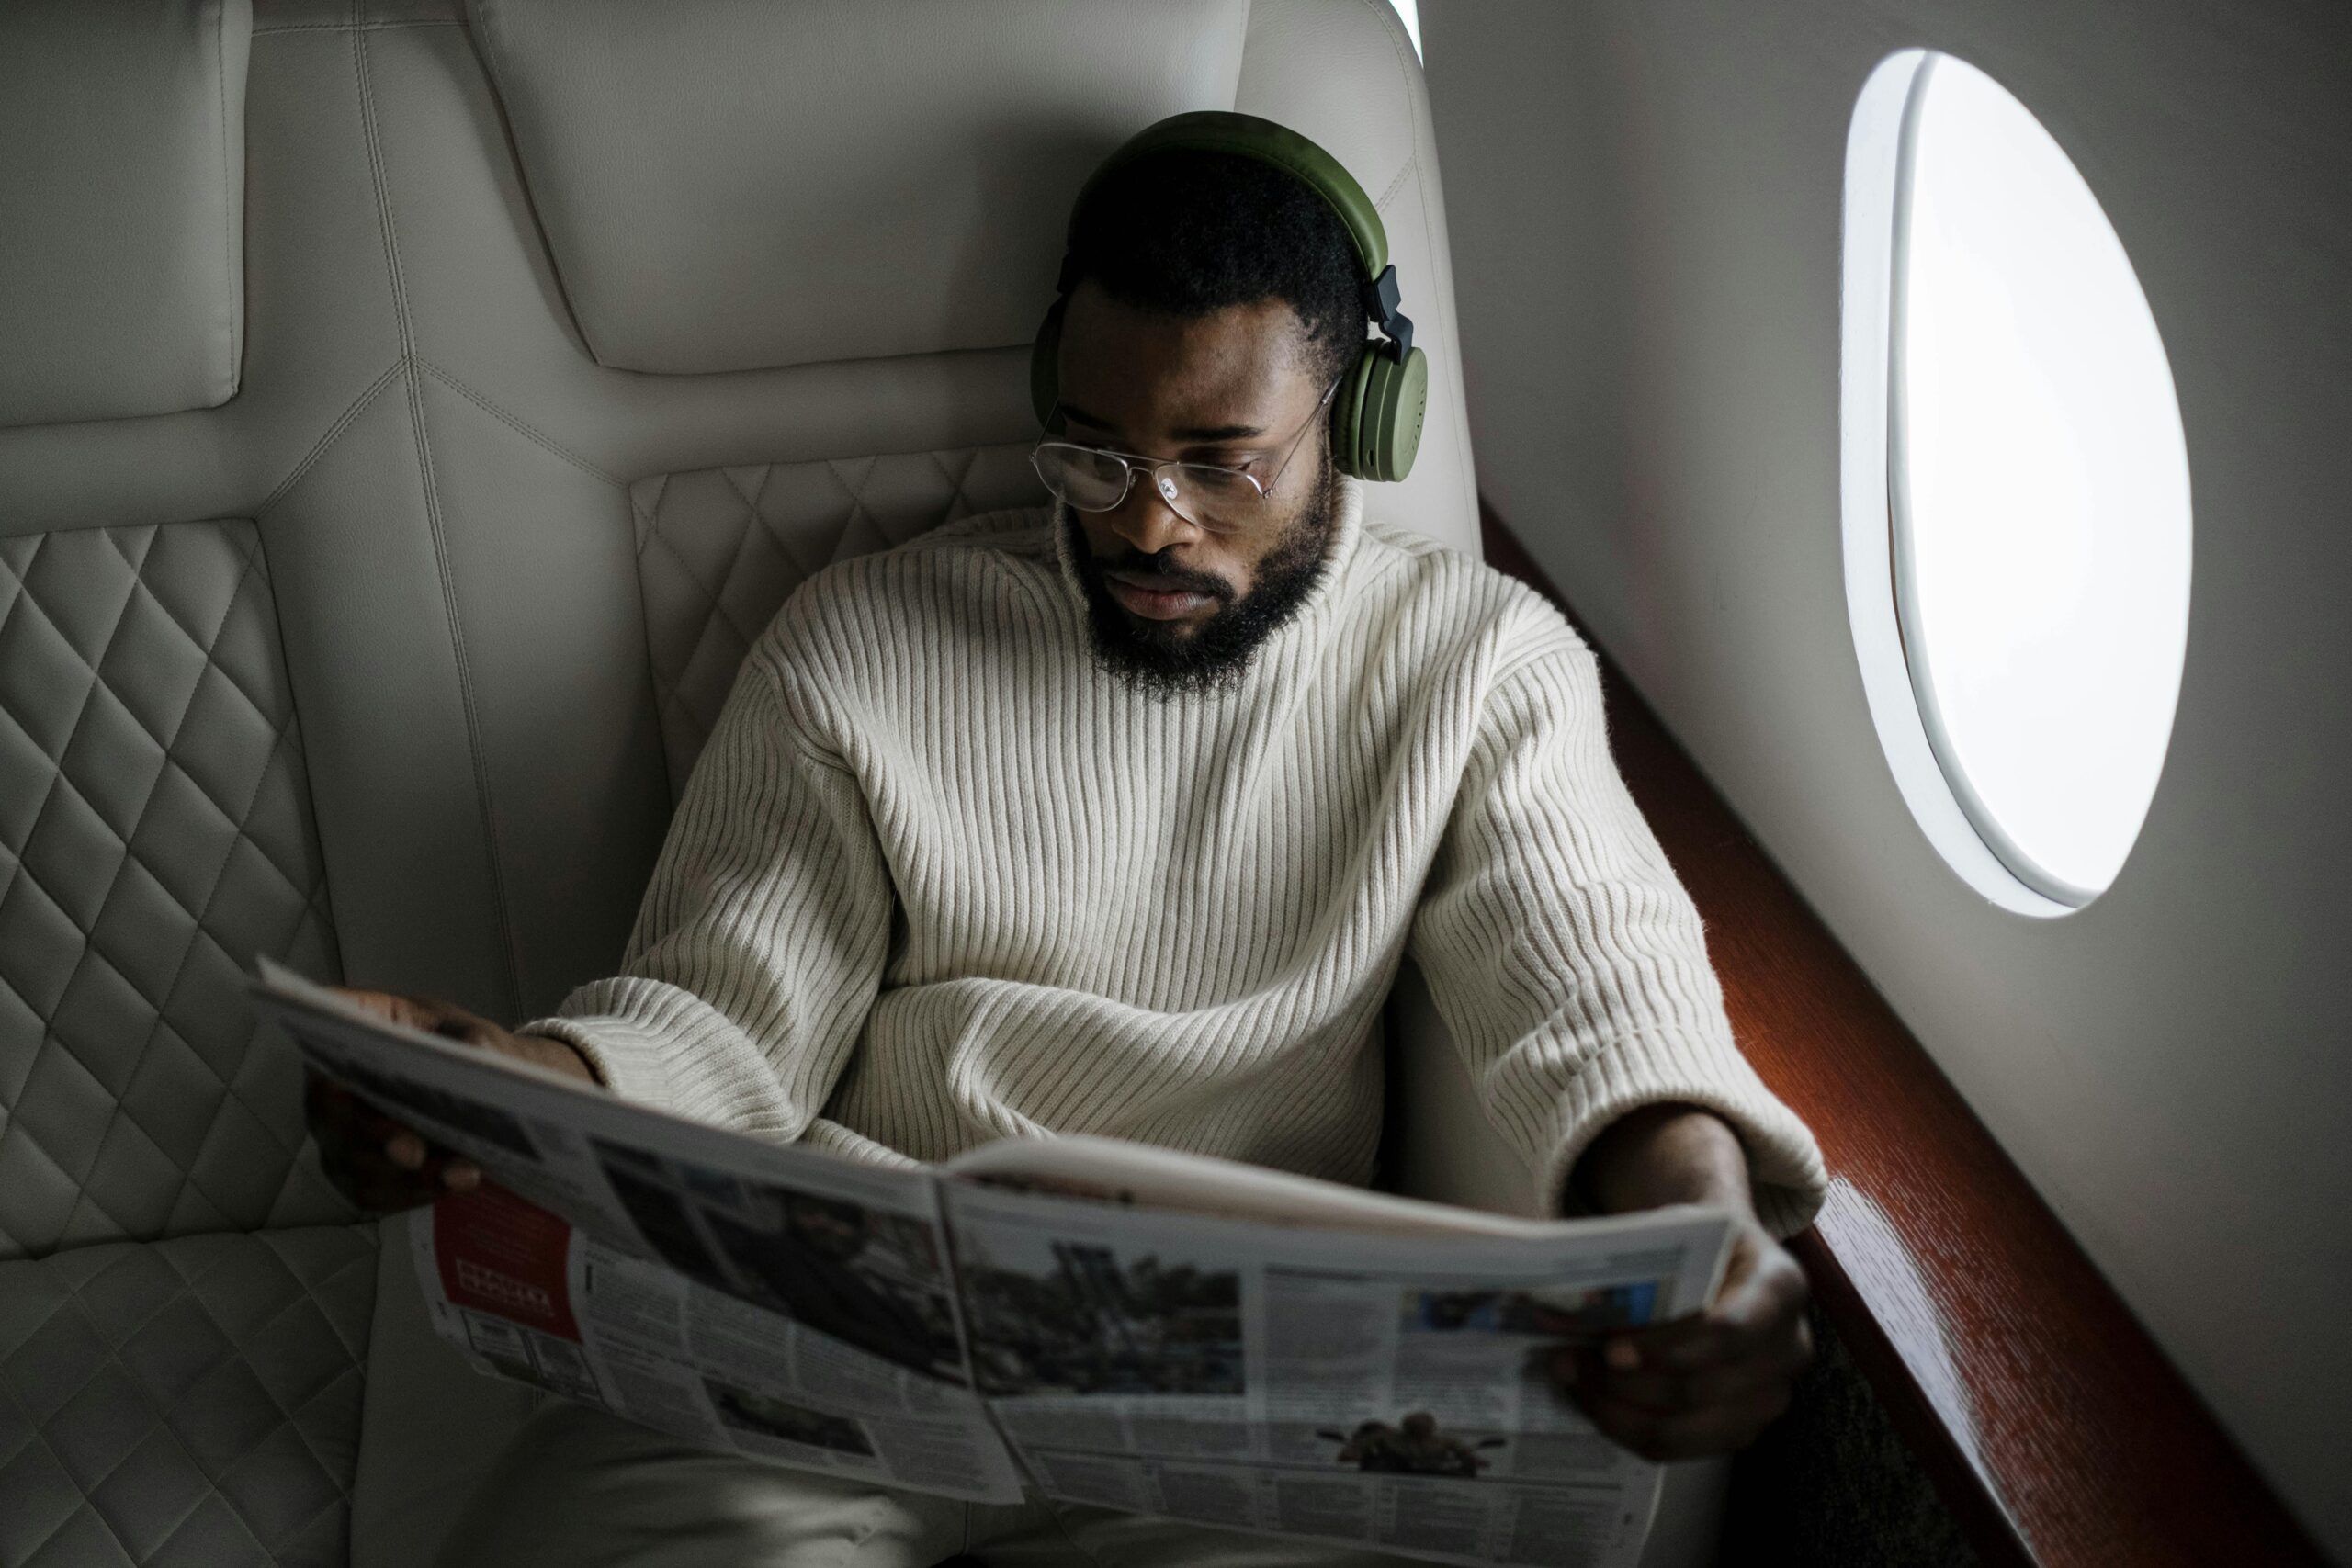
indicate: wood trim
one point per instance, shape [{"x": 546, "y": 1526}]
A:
[{"x": 2052, "y": 1426}]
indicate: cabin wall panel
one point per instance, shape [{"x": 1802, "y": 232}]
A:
[{"x": 1646, "y": 200}]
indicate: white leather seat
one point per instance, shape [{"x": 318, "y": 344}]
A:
[
  {"x": 183, "y": 1303},
  {"x": 384, "y": 507}
]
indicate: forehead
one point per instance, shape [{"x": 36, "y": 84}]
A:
[{"x": 1144, "y": 374}]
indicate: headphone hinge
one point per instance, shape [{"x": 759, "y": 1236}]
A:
[{"x": 1380, "y": 297}]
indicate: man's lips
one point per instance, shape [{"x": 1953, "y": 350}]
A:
[{"x": 1154, "y": 597}]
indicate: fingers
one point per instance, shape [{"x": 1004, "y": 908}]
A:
[
  {"x": 1690, "y": 1434},
  {"x": 1760, "y": 1305},
  {"x": 402, "y": 1172},
  {"x": 383, "y": 1004},
  {"x": 444, "y": 1019},
  {"x": 1666, "y": 1416},
  {"x": 453, "y": 1023},
  {"x": 1706, "y": 1384},
  {"x": 450, "y": 1022},
  {"x": 1716, "y": 1362},
  {"x": 376, "y": 1161},
  {"x": 1665, "y": 1392}
]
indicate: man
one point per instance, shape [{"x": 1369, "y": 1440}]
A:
[{"x": 1119, "y": 818}]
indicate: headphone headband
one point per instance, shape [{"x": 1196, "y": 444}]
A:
[
  {"x": 1278, "y": 146},
  {"x": 1246, "y": 136},
  {"x": 1376, "y": 424}
]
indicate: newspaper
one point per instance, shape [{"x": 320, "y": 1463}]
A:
[{"x": 1075, "y": 1318}]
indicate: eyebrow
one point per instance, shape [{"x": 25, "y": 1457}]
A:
[{"x": 1193, "y": 432}]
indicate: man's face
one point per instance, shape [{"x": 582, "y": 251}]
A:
[{"x": 1175, "y": 606}]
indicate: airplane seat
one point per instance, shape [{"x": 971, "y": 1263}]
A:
[
  {"x": 184, "y": 1300},
  {"x": 369, "y": 593},
  {"x": 708, "y": 295}
]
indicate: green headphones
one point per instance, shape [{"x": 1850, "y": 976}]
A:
[{"x": 1376, "y": 414}]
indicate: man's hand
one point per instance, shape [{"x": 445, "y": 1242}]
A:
[
  {"x": 1709, "y": 1382},
  {"x": 382, "y": 1164}
]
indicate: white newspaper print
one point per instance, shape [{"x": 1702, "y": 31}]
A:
[
  {"x": 663, "y": 1350},
  {"x": 1386, "y": 1391},
  {"x": 1373, "y": 1376},
  {"x": 769, "y": 1299}
]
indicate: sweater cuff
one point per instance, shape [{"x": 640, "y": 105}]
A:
[
  {"x": 685, "y": 1070},
  {"x": 1787, "y": 1179},
  {"x": 626, "y": 1059}
]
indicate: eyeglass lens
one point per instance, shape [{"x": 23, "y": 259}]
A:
[{"x": 1094, "y": 481}]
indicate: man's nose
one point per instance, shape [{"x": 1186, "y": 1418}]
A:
[{"x": 1147, "y": 521}]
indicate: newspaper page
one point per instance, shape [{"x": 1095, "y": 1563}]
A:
[
  {"x": 1082, "y": 1319},
  {"x": 1384, "y": 1392},
  {"x": 772, "y": 1299}
]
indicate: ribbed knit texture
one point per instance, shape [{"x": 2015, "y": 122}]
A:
[{"x": 940, "y": 878}]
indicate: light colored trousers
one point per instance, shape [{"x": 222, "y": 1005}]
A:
[{"x": 581, "y": 1489}]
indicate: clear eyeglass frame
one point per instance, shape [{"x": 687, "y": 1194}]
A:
[{"x": 1220, "y": 499}]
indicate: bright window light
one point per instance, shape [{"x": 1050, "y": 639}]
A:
[
  {"x": 1410, "y": 12},
  {"x": 2038, "y": 488}
]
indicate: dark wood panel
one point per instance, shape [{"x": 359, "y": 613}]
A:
[{"x": 2054, "y": 1427}]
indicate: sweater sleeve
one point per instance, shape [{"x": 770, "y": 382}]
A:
[
  {"x": 760, "y": 945},
  {"x": 1568, "y": 960}
]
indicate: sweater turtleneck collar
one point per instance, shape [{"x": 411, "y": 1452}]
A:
[{"x": 1347, "y": 531}]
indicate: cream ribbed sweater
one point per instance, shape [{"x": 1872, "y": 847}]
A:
[{"x": 940, "y": 878}]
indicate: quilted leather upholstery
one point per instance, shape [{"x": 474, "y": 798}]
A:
[
  {"x": 505, "y": 668},
  {"x": 194, "y": 1400},
  {"x": 718, "y": 551},
  {"x": 155, "y": 825}
]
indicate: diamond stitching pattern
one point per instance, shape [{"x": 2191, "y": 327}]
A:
[
  {"x": 195, "y": 1400},
  {"x": 155, "y": 834},
  {"x": 721, "y": 549}
]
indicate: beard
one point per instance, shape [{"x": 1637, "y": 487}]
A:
[{"x": 1213, "y": 654}]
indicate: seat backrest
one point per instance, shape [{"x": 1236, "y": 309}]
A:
[
  {"x": 409, "y": 413},
  {"x": 752, "y": 289},
  {"x": 156, "y": 826}
]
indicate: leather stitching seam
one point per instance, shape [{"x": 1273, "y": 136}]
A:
[
  {"x": 42, "y": 1436},
  {"x": 1398, "y": 184},
  {"x": 519, "y": 426},
  {"x": 357, "y": 27},
  {"x": 198, "y": 919},
  {"x": 334, "y": 432},
  {"x": 1460, "y": 457},
  {"x": 231, "y": 179},
  {"x": 450, "y": 605},
  {"x": 299, "y": 1293},
  {"x": 23, "y": 872}
]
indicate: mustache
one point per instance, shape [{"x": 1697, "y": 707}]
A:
[{"x": 1203, "y": 582}]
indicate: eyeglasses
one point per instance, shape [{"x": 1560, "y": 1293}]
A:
[{"x": 1092, "y": 479}]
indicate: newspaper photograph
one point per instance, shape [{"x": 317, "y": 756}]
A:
[
  {"x": 528, "y": 1297},
  {"x": 1073, "y": 1318},
  {"x": 1387, "y": 1391}
]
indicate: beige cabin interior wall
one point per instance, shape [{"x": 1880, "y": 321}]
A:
[{"x": 1645, "y": 199}]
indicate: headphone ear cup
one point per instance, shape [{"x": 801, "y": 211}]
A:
[
  {"x": 1045, "y": 363},
  {"x": 1396, "y": 399},
  {"x": 1347, "y": 416}
]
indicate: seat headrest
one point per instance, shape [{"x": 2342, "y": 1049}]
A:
[
  {"x": 122, "y": 187},
  {"x": 735, "y": 185}
]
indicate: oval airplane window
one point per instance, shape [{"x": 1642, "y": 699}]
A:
[{"x": 2035, "y": 500}]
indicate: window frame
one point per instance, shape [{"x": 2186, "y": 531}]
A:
[{"x": 1903, "y": 579}]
